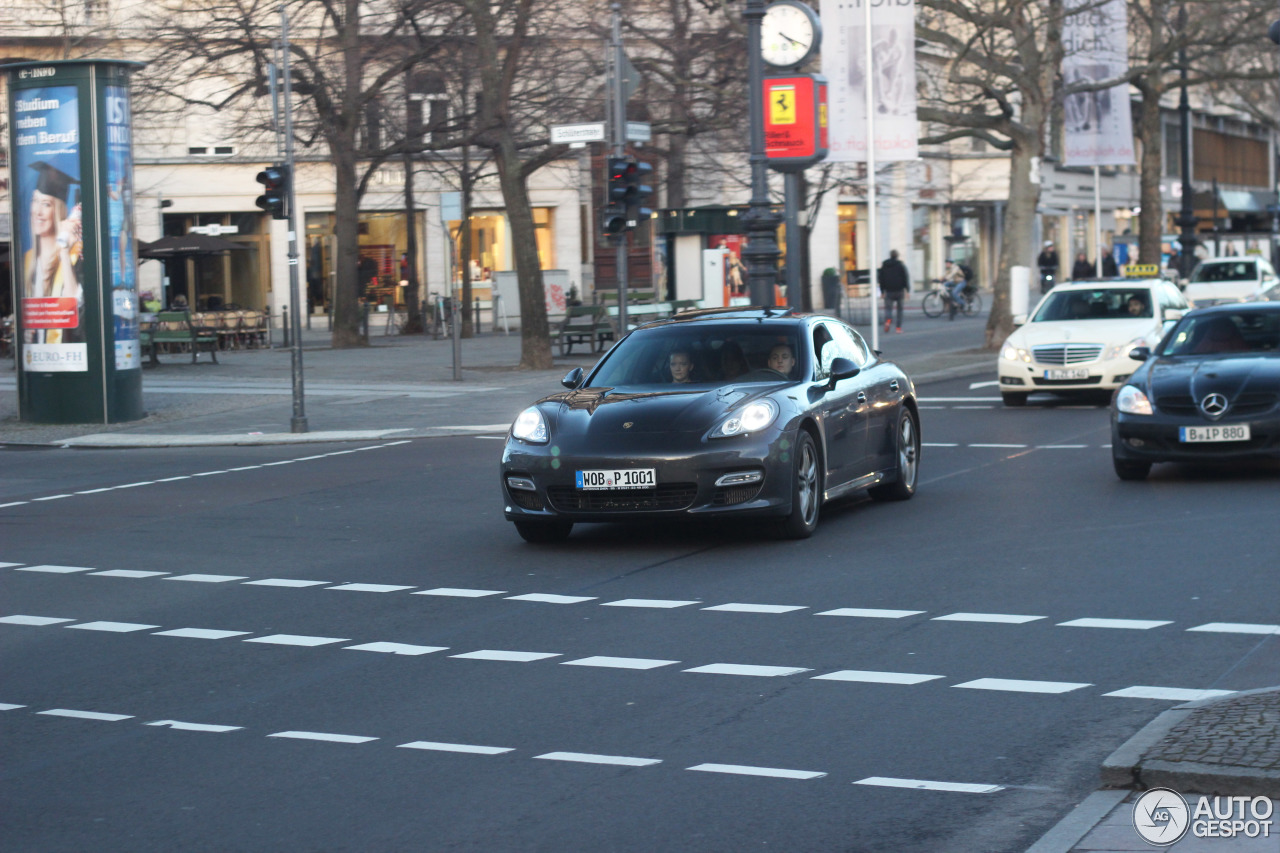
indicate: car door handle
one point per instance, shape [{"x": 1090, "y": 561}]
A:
[
  {"x": 862, "y": 397},
  {"x": 893, "y": 385}
]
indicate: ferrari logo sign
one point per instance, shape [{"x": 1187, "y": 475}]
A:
[
  {"x": 782, "y": 105},
  {"x": 795, "y": 121}
]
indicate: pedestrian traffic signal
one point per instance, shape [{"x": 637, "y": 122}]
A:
[{"x": 275, "y": 196}]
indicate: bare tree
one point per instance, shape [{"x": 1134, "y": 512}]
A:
[{"x": 1000, "y": 63}]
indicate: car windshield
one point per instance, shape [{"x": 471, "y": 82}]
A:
[
  {"x": 1214, "y": 334},
  {"x": 1106, "y": 303},
  {"x": 702, "y": 354},
  {"x": 1225, "y": 271}
]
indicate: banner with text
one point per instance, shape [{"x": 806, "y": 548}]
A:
[
  {"x": 1097, "y": 125},
  {"x": 893, "y": 79}
]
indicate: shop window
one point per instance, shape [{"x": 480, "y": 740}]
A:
[
  {"x": 848, "y": 219},
  {"x": 543, "y": 219}
]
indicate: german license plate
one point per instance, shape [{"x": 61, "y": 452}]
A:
[
  {"x": 617, "y": 478},
  {"x": 1236, "y": 432},
  {"x": 1067, "y": 373}
]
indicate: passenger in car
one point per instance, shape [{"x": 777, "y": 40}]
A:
[
  {"x": 1138, "y": 306},
  {"x": 680, "y": 363}
]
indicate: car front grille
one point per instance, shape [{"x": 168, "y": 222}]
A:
[
  {"x": 1253, "y": 403},
  {"x": 525, "y": 499},
  {"x": 667, "y": 496},
  {"x": 1066, "y": 353}
]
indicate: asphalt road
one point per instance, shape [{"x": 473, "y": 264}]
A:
[{"x": 178, "y": 674}]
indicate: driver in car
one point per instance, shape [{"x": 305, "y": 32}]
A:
[
  {"x": 681, "y": 364},
  {"x": 782, "y": 359}
]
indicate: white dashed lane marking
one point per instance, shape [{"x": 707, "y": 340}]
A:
[
  {"x": 114, "y": 627},
  {"x": 325, "y": 736},
  {"x": 1175, "y": 694},
  {"x": 629, "y": 663},
  {"x": 924, "y": 785},
  {"x": 589, "y": 758},
  {"x": 456, "y": 747},
  {"x": 1019, "y": 686},
  {"x": 748, "y": 770},
  {"x": 4, "y": 706},
  {"x": 656, "y": 603},
  {"x": 566, "y": 757}
]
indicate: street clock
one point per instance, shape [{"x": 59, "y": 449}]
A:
[{"x": 790, "y": 34}]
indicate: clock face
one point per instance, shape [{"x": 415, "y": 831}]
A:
[{"x": 787, "y": 35}]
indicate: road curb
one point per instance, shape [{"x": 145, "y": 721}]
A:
[{"x": 1126, "y": 768}]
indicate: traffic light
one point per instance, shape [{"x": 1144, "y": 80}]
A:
[
  {"x": 613, "y": 218},
  {"x": 275, "y": 196},
  {"x": 639, "y": 192}
]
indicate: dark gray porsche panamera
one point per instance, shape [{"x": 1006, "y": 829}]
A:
[
  {"x": 722, "y": 412},
  {"x": 1210, "y": 391}
]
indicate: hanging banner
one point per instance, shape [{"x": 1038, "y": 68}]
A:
[
  {"x": 893, "y": 79},
  {"x": 1097, "y": 127}
]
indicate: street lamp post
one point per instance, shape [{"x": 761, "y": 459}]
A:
[
  {"x": 1187, "y": 218},
  {"x": 761, "y": 252}
]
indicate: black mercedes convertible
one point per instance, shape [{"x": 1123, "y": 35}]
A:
[
  {"x": 722, "y": 412},
  {"x": 1209, "y": 391}
]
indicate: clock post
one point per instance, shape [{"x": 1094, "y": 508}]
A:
[{"x": 760, "y": 254}]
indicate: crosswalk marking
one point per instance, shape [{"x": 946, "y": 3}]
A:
[
  {"x": 456, "y": 747},
  {"x": 870, "y": 613},
  {"x": 113, "y": 627},
  {"x": 1175, "y": 694},
  {"x": 1236, "y": 628},
  {"x": 370, "y": 587},
  {"x": 1132, "y": 624},
  {"x": 551, "y": 599},
  {"x": 325, "y": 736},
  {"x": 661, "y": 603},
  {"x": 126, "y": 573},
  {"x": 297, "y": 640},
  {"x": 741, "y": 669},
  {"x": 589, "y": 758},
  {"x": 756, "y": 608},
  {"x": 877, "y": 677},
  {"x": 86, "y": 715},
  {"x": 38, "y": 621},
  {"x": 925, "y": 785},
  {"x": 396, "y": 648},
  {"x": 460, "y": 593},
  {"x": 194, "y": 727},
  {"x": 514, "y": 657},
  {"x": 201, "y": 633},
  {"x": 619, "y": 663},
  {"x": 748, "y": 770},
  {"x": 1020, "y": 686},
  {"x": 1002, "y": 618}
]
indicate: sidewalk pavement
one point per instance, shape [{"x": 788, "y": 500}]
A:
[
  {"x": 399, "y": 386},
  {"x": 1228, "y": 747}
]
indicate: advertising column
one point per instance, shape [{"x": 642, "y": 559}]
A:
[{"x": 75, "y": 266}]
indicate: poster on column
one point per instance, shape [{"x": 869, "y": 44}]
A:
[
  {"x": 1097, "y": 126},
  {"x": 123, "y": 273},
  {"x": 46, "y": 175},
  {"x": 893, "y": 79}
]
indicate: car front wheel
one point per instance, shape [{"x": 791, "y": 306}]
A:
[
  {"x": 1013, "y": 398},
  {"x": 806, "y": 491}
]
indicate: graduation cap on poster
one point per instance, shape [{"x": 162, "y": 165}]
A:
[{"x": 53, "y": 181}]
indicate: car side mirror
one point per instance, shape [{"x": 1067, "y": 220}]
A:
[
  {"x": 1019, "y": 320},
  {"x": 842, "y": 368},
  {"x": 572, "y": 379},
  {"x": 1140, "y": 353},
  {"x": 1171, "y": 314}
]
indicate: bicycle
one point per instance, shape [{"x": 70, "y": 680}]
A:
[{"x": 938, "y": 300}]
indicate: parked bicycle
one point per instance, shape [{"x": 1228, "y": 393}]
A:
[
  {"x": 938, "y": 301},
  {"x": 443, "y": 316}
]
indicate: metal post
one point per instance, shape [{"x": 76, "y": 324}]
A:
[
  {"x": 1097, "y": 222},
  {"x": 298, "y": 423},
  {"x": 1187, "y": 218},
  {"x": 795, "y": 246},
  {"x": 618, "y": 128},
  {"x": 761, "y": 224},
  {"x": 873, "y": 238}
]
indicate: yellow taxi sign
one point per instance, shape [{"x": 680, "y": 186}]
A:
[{"x": 1141, "y": 270}]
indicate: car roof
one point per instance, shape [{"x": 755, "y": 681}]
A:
[
  {"x": 1095, "y": 283},
  {"x": 735, "y": 313},
  {"x": 1230, "y": 259},
  {"x": 1237, "y": 307}
]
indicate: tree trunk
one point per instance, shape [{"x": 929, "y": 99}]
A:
[
  {"x": 1019, "y": 230},
  {"x": 464, "y": 261},
  {"x": 346, "y": 288},
  {"x": 413, "y": 322},
  {"x": 535, "y": 340},
  {"x": 1151, "y": 216}
]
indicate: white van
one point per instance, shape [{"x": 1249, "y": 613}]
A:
[{"x": 1229, "y": 280}]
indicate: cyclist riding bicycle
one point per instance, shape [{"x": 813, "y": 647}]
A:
[{"x": 955, "y": 282}]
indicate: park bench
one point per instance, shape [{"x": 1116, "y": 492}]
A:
[
  {"x": 584, "y": 324},
  {"x": 175, "y": 328}
]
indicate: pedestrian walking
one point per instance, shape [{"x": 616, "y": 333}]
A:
[
  {"x": 895, "y": 284},
  {"x": 1083, "y": 268}
]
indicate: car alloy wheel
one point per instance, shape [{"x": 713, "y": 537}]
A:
[
  {"x": 544, "y": 531},
  {"x": 806, "y": 490},
  {"x": 1128, "y": 470},
  {"x": 908, "y": 462}
]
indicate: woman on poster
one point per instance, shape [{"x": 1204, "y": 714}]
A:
[{"x": 51, "y": 266}]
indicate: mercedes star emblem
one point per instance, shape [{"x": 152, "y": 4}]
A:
[{"x": 1214, "y": 405}]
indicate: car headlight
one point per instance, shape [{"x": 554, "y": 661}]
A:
[
  {"x": 530, "y": 426},
  {"x": 1132, "y": 401},
  {"x": 1012, "y": 353},
  {"x": 1122, "y": 351},
  {"x": 752, "y": 417}
]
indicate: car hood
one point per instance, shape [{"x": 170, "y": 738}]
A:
[
  {"x": 599, "y": 412},
  {"x": 1199, "y": 376},
  {"x": 1106, "y": 332}
]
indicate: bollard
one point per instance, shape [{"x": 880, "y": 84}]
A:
[
  {"x": 364, "y": 322},
  {"x": 476, "y": 321},
  {"x": 284, "y": 321}
]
